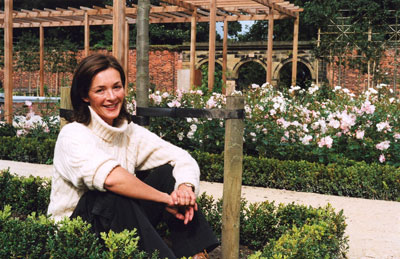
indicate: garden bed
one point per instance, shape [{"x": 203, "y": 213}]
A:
[{"x": 291, "y": 230}]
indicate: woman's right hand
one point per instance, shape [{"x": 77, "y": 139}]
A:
[{"x": 184, "y": 204}]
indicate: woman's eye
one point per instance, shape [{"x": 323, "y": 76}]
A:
[
  {"x": 118, "y": 87},
  {"x": 99, "y": 91}
]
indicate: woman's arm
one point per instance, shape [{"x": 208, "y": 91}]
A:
[
  {"x": 150, "y": 151},
  {"x": 120, "y": 181}
]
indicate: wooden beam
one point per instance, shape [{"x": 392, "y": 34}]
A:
[
  {"x": 270, "y": 46},
  {"x": 119, "y": 29},
  {"x": 41, "y": 60},
  {"x": 211, "y": 51},
  {"x": 295, "y": 49},
  {"x": 183, "y": 4},
  {"x": 224, "y": 55},
  {"x": 277, "y": 7},
  {"x": 193, "y": 48},
  {"x": 8, "y": 64},
  {"x": 87, "y": 35}
]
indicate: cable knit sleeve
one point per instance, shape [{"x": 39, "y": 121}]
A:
[
  {"x": 78, "y": 159},
  {"x": 151, "y": 151}
]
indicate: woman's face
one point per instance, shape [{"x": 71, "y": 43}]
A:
[{"x": 106, "y": 94}]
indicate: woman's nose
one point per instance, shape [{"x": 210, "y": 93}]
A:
[{"x": 110, "y": 95}]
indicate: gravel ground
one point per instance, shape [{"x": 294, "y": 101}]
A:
[{"x": 373, "y": 225}]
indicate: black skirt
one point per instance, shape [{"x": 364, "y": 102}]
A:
[{"x": 109, "y": 211}]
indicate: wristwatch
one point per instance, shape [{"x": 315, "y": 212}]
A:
[{"x": 189, "y": 185}]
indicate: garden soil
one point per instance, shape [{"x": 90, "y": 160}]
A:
[{"x": 373, "y": 226}]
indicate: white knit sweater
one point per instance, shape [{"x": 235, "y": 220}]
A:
[{"x": 85, "y": 155}]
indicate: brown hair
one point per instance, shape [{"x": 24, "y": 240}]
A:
[{"x": 87, "y": 69}]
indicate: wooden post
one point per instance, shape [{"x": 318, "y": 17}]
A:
[
  {"x": 317, "y": 61},
  {"x": 295, "y": 48},
  {"x": 65, "y": 102},
  {"x": 224, "y": 55},
  {"x": 211, "y": 51},
  {"x": 41, "y": 60},
  {"x": 270, "y": 44},
  {"x": 8, "y": 55},
  {"x": 87, "y": 35},
  {"x": 193, "y": 48},
  {"x": 126, "y": 58},
  {"x": 142, "y": 54},
  {"x": 369, "y": 61},
  {"x": 119, "y": 30},
  {"x": 233, "y": 164}
]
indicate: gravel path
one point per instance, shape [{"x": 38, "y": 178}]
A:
[{"x": 373, "y": 225}]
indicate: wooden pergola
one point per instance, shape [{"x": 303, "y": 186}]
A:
[{"x": 169, "y": 11}]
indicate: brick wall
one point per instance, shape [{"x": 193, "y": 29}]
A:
[
  {"x": 357, "y": 81},
  {"x": 163, "y": 68}
]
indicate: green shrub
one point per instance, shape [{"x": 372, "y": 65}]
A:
[
  {"x": 344, "y": 178},
  {"x": 309, "y": 241},
  {"x": 74, "y": 239},
  {"x": 24, "y": 238},
  {"x": 26, "y": 149},
  {"x": 40, "y": 237},
  {"x": 7, "y": 130},
  {"x": 27, "y": 194},
  {"x": 315, "y": 232},
  {"x": 123, "y": 245}
]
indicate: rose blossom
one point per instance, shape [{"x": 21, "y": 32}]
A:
[
  {"x": 325, "y": 141},
  {"x": 382, "y": 158},
  {"x": 383, "y": 145},
  {"x": 360, "y": 134}
]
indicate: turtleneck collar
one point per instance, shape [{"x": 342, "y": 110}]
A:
[{"x": 103, "y": 130}]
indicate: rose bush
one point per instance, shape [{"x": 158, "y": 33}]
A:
[
  {"x": 319, "y": 124},
  {"x": 29, "y": 124}
]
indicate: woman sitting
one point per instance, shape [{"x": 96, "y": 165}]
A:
[{"x": 117, "y": 175}]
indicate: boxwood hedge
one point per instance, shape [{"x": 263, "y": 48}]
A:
[
  {"x": 344, "y": 178},
  {"x": 286, "y": 231}
]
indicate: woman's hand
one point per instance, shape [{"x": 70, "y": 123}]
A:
[{"x": 184, "y": 203}]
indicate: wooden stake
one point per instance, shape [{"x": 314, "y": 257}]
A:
[
  {"x": 369, "y": 61},
  {"x": 126, "y": 58},
  {"x": 193, "y": 48},
  {"x": 233, "y": 164},
  {"x": 317, "y": 61},
  {"x": 65, "y": 102},
  {"x": 224, "y": 55},
  {"x": 41, "y": 60},
  {"x": 8, "y": 55},
  {"x": 270, "y": 44},
  {"x": 211, "y": 51},
  {"x": 87, "y": 35},
  {"x": 119, "y": 30},
  {"x": 295, "y": 48}
]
